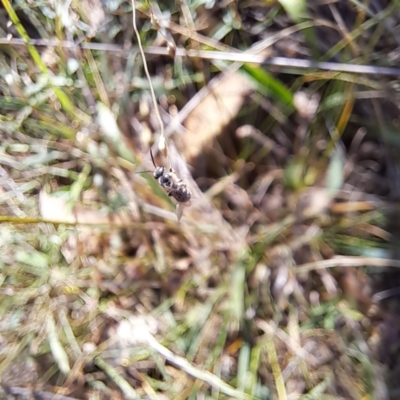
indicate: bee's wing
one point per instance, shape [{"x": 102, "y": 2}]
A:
[{"x": 180, "y": 167}]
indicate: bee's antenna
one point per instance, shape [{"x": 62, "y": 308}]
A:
[
  {"x": 142, "y": 172},
  {"x": 152, "y": 158}
]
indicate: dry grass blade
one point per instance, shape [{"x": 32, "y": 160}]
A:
[
  {"x": 340, "y": 261},
  {"x": 59, "y": 354},
  {"x": 139, "y": 331},
  {"x": 276, "y": 370},
  {"x": 126, "y": 388},
  {"x": 290, "y": 63},
  {"x": 213, "y": 113}
]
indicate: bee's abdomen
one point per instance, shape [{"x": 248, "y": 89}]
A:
[{"x": 182, "y": 195}]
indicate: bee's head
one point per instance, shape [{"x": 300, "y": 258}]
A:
[{"x": 159, "y": 172}]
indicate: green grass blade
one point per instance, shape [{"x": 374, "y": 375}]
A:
[
  {"x": 67, "y": 105},
  {"x": 269, "y": 85}
]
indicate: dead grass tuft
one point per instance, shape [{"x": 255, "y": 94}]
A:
[{"x": 281, "y": 278}]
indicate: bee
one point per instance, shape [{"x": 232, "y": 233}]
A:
[{"x": 173, "y": 185}]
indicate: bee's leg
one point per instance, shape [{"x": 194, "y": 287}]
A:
[{"x": 170, "y": 194}]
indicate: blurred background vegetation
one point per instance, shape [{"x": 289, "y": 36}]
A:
[{"x": 280, "y": 281}]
